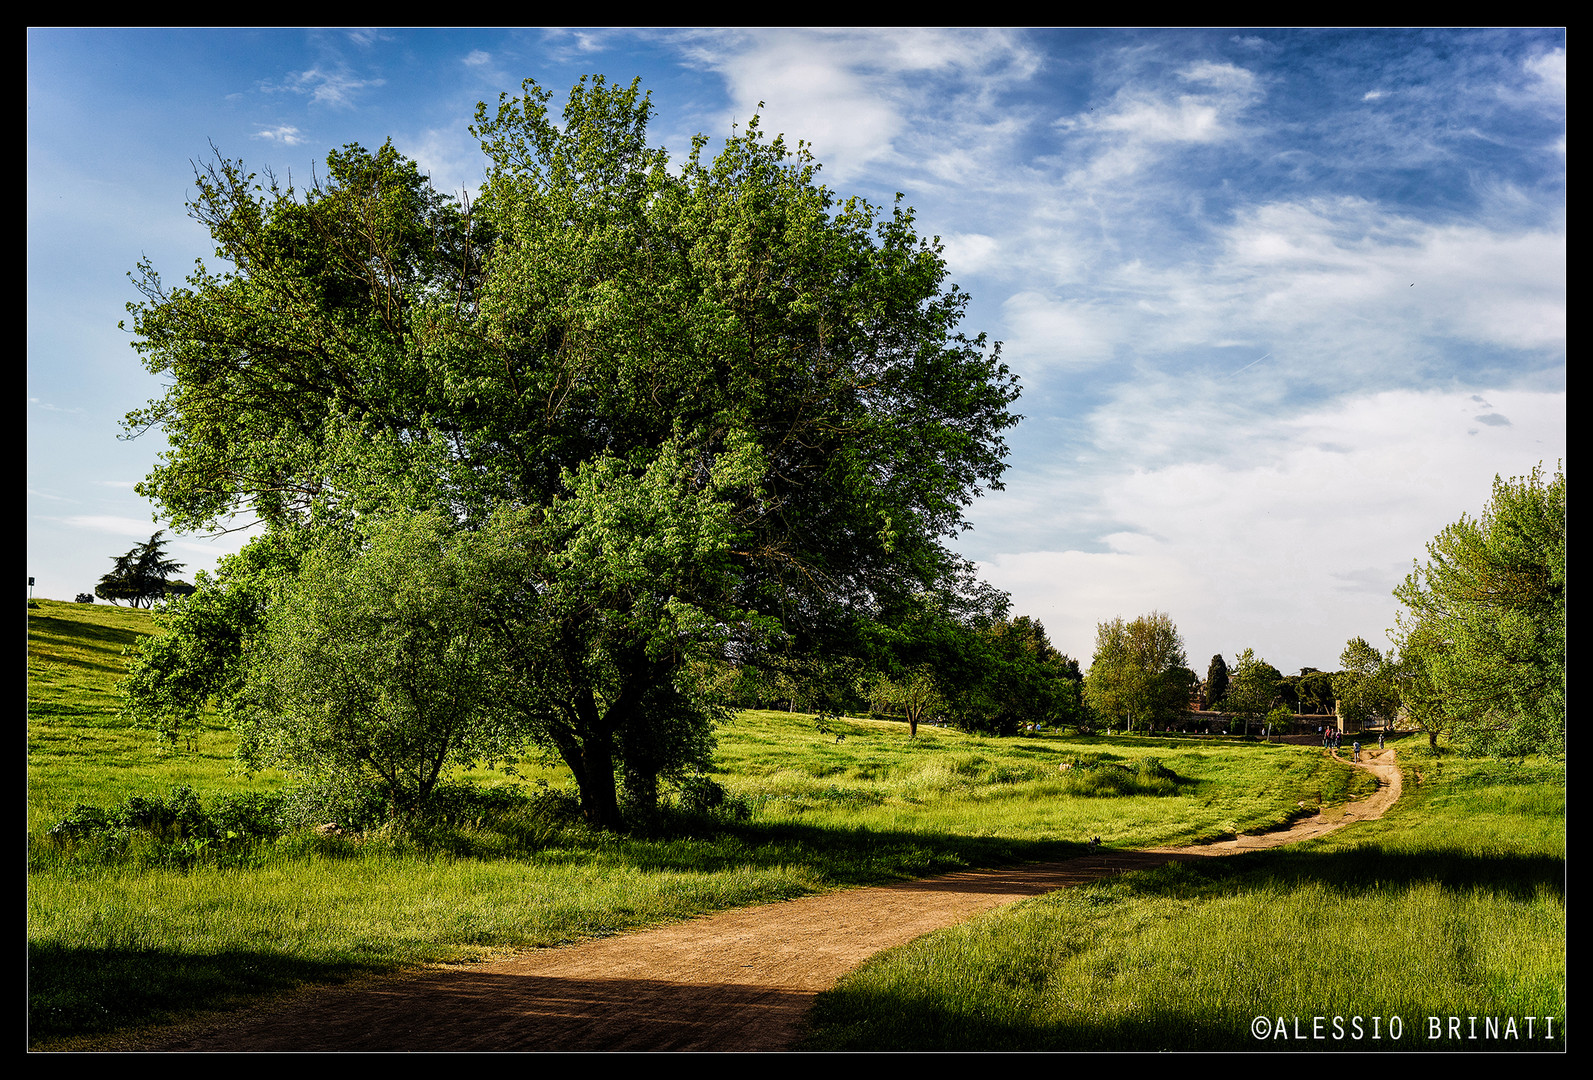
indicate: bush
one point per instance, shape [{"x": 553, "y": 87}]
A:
[
  {"x": 177, "y": 829},
  {"x": 173, "y": 830},
  {"x": 701, "y": 794},
  {"x": 1096, "y": 776}
]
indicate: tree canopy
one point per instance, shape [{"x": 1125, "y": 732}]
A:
[
  {"x": 1483, "y": 626},
  {"x": 692, "y": 408},
  {"x": 1365, "y": 685},
  {"x": 1216, "y": 680},
  {"x": 1138, "y": 677},
  {"x": 1252, "y": 688}
]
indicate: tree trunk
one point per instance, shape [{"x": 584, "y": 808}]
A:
[{"x": 599, "y": 799}]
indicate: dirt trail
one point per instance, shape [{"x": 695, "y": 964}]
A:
[{"x": 740, "y": 980}]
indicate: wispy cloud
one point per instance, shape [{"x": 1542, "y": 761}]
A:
[
  {"x": 112, "y": 524},
  {"x": 39, "y": 403},
  {"x": 859, "y": 97},
  {"x": 336, "y": 88},
  {"x": 286, "y": 134}
]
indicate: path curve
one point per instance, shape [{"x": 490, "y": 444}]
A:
[{"x": 739, "y": 980}]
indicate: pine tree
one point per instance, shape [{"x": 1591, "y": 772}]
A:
[{"x": 140, "y": 575}]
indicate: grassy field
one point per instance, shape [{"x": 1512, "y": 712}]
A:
[
  {"x": 142, "y": 929},
  {"x": 1392, "y": 935}
]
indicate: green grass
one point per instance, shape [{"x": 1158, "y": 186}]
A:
[
  {"x": 123, "y": 936},
  {"x": 1453, "y": 905}
]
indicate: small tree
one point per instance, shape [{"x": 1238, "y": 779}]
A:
[
  {"x": 1420, "y": 701},
  {"x": 376, "y": 671},
  {"x": 1216, "y": 680},
  {"x": 915, "y": 693}
]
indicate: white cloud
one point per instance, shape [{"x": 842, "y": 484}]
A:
[
  {"x": 854, "y": 94},
  {"x": 1548, "y": 72},
  {"x": 335, "y": 88},
  {"x": 1347, "y": 266},
  {"x": 1047, "y": 333},
  {"x": 972, "y": 253},
  {"x": 285, "y": 134},
  {"x": 1144, "y": 121},
  {"x": 1290, "y": 540}
]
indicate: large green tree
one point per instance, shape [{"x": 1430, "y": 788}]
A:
[
  {"x": 1137, "y": 677},
  {"x": 706, "y": 404},
  {"x": 1484, "y": 618}
]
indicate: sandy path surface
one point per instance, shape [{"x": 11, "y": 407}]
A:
[{"x": 739, "y": 980}]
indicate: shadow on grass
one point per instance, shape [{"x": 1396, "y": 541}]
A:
[
  {"x": 91, "y": 991},
  {"x": 862, "y": 856},
  {"x": 77, "y": 991},
  {"x": 53, "y": 636}
]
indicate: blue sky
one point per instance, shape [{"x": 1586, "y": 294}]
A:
[{"x": 1283, "y": 302}]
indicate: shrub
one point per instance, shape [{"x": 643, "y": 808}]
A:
[{"x": 701, "y": 794}]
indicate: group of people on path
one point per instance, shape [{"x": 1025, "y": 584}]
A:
[{"x": 1333, "y": 738}]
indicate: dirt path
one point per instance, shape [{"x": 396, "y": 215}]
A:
[{"x": 739, "y": 980}]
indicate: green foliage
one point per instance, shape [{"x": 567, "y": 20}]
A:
[
  {"x": 1216, "y": 680},
  {"x": 702, "y": 406},
  {"x": 1483, "y": 630},
  {"x": 1421, "y": 702},
  {"x": 1101, "y": 776},
  {"x": 200, "y": 659},
  {"x": 1365, "y": 685},
  {"x": 914, "y": 694},
  {"x": 171, "y": 831},
  {"x": 1252, "y": 689},
  {"x": 1022, "y": 680},
  {"x": 1313, "y": 691},
  {"x": 374, "y": 670},
  {"x": 1280, "y": 720},
  {"x": 1137, "y": 677}
]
